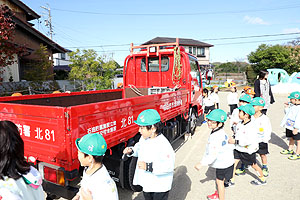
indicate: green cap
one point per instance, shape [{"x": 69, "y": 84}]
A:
[
  {"x": 294, "y": 95},
  {"x": 92, "y": 144},
  {"x": 247, "y": 109},
  {"x": 258, "y": 101},
  {"x": 217, "y": 115},
  {"x": 246, "y": 98},
  {"x": 148, "y": 117}
]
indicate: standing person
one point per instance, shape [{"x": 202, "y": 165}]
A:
[
  {"x": 215, "y": 96},
  {"x": 250, "y": 92},
  {"x": 246, "y": 143},
  {"x": 262, "y": 88},
  {"x": 208, "y": 103},
  {"x": 234, "y": 119},
  {"x": 209, "y": 76},
  {"x": 291, "y": 123},
  {"x": 96, "y": 183},
  {"x": 233, "y": 98},
  {"x": 264, "y": 130},
  {"x": 18, "y": 180},
  {"x": 156, "y": 157},
  {"x": 218, "y": 154}
]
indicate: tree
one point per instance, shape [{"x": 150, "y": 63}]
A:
[
  {"x": 277, "y": 56},
  {"x": 39, "y": 69},
  {"x": 96, "y": 72},
  {"x": 8, "y": 49}
]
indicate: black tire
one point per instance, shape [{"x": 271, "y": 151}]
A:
[
  {"x": 129, "y": 171},
  {"x": 132, "y": 166},
  {"x": 193, "y": 122}
]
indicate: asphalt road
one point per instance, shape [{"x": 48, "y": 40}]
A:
[{"x": 189, "y": 184}]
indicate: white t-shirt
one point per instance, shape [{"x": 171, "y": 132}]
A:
[
  {"x": 208, "y": 101},
  {"x": 232, "y": 98},
  {"x": 100, "y": 184},
  {"x": 215, "y": 97}
]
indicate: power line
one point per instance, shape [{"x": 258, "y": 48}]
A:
[
  {"x": 255, "y": 41},
  {"x": 180, "y": 14},
  {"x": 253, "y": 36}
]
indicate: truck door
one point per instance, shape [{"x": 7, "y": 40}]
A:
[{"x": 196, "y": 83}]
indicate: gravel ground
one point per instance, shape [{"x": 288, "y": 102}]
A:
[{"x": 282, "y": 183}]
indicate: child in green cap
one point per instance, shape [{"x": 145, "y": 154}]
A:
[
  {"x": 96, "y": 182},
  {"x": 264, "y": 130},
  {"x": 156, "y": 157},
  {"x": 291, "y": 122},
  {"x": 218, "y": 154},
  {"x": 246, "y": 143}
]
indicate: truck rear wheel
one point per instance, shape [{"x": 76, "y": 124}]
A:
[{"x": 129, "y": 174}]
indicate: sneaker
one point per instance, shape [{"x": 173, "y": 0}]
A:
[
  {"x": 204, "y": 122},
  {"x": 214, "y": 196},
  {"x": 286, "y": 152},
  {"x": 259, "y": 181},
  {"x": 240, "y": 172},
  {"x": 265, "y": 172},
  {"x": 294, "y": 157},
  {"x": 229, "y": 184}
]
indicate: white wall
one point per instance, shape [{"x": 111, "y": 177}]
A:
[{"x": 57, "y": 59}]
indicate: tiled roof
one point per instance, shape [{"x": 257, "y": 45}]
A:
[{"x": 182, "y": 41}]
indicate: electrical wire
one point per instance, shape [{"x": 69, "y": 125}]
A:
[{"x": 180, "y": 14}]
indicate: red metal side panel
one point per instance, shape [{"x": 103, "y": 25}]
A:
[
  {"x": 42, "y": 129},
  {"x": 114, "y": 119}
]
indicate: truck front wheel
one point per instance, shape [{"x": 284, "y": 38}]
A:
[
  {"x": 193, "y": 122},
  {"x": 129, "y": 174}
]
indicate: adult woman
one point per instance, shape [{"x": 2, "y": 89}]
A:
[
  {"x": 18, "y": 180},
  {"x": 262, "y": 88}
]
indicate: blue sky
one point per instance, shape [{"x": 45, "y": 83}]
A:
[{"x": 90, "y": 23}]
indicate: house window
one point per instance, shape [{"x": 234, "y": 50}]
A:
[
  {"x": 200, "y": 52},
  {"x": 190, "y": 50},
  {"x": 194, "y": 50},
  {"x": 153, "y": 64},
  {"x": 63, "y": 56}
]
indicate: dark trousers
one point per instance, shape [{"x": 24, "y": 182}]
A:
[
  {"x": 264, "y": 111},
  {"x": 156, "y": 195},
  {"x": 232, "y": 107}
]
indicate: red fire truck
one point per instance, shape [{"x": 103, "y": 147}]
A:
[{"x": 159, "y": 76}]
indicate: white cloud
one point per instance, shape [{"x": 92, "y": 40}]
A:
[
  {"x": 291, "y": 30},
  {"x": 255, "y": 20}
]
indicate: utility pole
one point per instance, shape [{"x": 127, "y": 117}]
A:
[{"x": 48, "y": 21}]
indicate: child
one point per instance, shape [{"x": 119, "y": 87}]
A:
[
  {"x": 215, "y": 96},
  {"x": 250, "y": 92},
  {"x": 264, "y": 130},
  {"x": 245, "y": 89},
  {"x": 218, "y": 154},
  {"x": 96, "y": 182},
  {"x": 156, "y": 157},
  {"x": 18, "y": 180},
  {"x": 207, "y": 103},
  {"x": 232, "y": 98},
  {"x": 246, "y": 143},
  {"x": 291, "y": 122}
]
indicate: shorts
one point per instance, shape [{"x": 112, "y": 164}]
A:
[
  {"x": 156, "y": 195},
  {"x": 226, "y": 173},
  {"x": 289, "y": 133},
  {"x": 246, "y": 158},
  {"x": 207, "y": 109},
  {"x": 263, "y": 148}
]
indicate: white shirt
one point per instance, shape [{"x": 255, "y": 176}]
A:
[
  {"x": 234, "y": 119},
  {"x": 233, "y": 98},
  {"x": 11, "y": 189},
  {"x": 208, "y": 101},
  {"x": 247, "y": 137},
  {"x": 158, "y": 151},
  {"x": 291, "y": 119},
  {"x": 100, "y": 184},
  {"x": 263, "y": 128},
  {"x": 218, "y": 153},
  {"x": 215, "y": 97}
]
